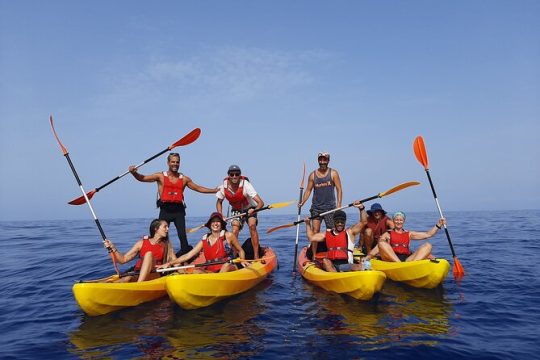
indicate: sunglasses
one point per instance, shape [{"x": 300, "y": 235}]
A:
[{"x": 234, "y": 174}]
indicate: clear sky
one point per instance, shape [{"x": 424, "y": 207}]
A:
[{"x": 270, "y": 83}]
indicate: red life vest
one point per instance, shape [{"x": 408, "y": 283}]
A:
[
  {"x": 172, "y": 192},
  {"x": 157, "y": 250},
  {"x": 237, "y": 199},
  {"x": 216, "y": 252},
  {"x": 337, "y": 245},
  {"x": 400, "y": 242},
  {"x": 378, "y": 228}
]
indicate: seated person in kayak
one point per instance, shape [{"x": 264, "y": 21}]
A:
[
  {"x": 152, "y": 251},
  {"x": 339, "y": 240},
  {"x": 219, "y": 246},
  {"x": 394, "y": 245},
  {"x": 377, "y": 224}
]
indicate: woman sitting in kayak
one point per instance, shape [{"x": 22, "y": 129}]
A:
[
  {"x": 394, "y": 245},
  {"x": 219, "y": 245},
  {"x": 153, "y": 251}
]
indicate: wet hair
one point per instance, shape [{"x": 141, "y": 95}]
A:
[{"x": 154, "y": 225}]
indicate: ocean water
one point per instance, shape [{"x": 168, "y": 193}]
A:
[{"x": 492, "y": 313}]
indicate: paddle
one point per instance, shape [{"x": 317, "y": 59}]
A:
[
  {"x": 421, "y": 156},
  {"x": 232, "y": 261},
  {"x": 379, "y": 195},
  {"x": 298, "y": 221},
  {"x": 186, "y": 140},
  {"x": 271, "y": 206},
  {"x": 66, "y": 154}
]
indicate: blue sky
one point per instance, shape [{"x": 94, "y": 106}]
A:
[{"x": 270, "y": 84}]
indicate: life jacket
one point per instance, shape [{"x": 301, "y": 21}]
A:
[
  {"x": 237, "y": 199},
  {"x": 157, "y": 250},
  {"x": 400, "y": 242},
  {"x": 337, "y": 244},
  {"x": 172, "y": 192},
  {"x": 379, "y": 227},
  {"x": 220, "y": 251}
]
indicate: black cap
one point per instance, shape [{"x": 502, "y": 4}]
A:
[
  {"x": 340, "y": 214},
  {"x": 234, "y": 168}
]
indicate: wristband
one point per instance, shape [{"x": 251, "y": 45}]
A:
[{"x": 437, "y": 226}]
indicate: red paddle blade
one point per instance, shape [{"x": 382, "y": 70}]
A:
[
  {"x": 420, "y": 151},
  {"x": 81, "y": 200},
  {"x": 458, "y": 269},
  {"x": 269, "y": 231},
  {"x": 64, "y": 150},
  {"x": 188, "y": 139}
]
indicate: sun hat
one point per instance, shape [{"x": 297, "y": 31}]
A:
[
  {"x": 399, "y": 213},
  {"x": 376, "y": 207},
  {"x": 325, "y": 154},
  {"x": 234, "y": 168},
  {"x": 213, "y": 216},
  {"x": 340, "y": 215}
]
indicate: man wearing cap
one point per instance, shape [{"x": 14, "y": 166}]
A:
[
  {"x": 377, "y": 224},
  {"x": 325, "y": 184},
  {"x": 171, "y": 185},
  {"x": 243, "y": 199},
  {"x": 339, "y": 240}
]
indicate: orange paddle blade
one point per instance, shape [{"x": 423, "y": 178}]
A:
[
  {"x": 188, "y": 139},
  {"x": 458, "y": 269},
  {"x": 398, "y": 188},
  {"x": 269, "y": 231},
  {"x": 420, "y": 151},
  {"x": 81, "y": 200},
  {"x": 64, "y": 150}
]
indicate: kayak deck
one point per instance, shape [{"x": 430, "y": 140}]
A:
[
  {"x": 426, "y": 274},
  {"x": 361, "y": 285},
  {"x": 192, "y": 291}
]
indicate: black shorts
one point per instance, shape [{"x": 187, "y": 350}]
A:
[{"x": 243, "y": 219}]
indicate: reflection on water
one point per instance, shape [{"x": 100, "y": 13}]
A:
[
  {"x": 399, "y": 313},
  {"x": 161, "y": 329}
]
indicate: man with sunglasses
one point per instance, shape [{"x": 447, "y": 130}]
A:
[
  {"x": 339, "y": 240},
  {"x": 243, "y": 198},
  {"x": 171, "y": 185}
]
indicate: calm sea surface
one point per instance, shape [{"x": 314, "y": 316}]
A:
[{"x": 493, "y": 313}]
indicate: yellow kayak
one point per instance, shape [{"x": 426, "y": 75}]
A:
[
  {"x": 192, "y": 291},
  {"x": 99, "y": 297},
  {"x": 426, "y": 274},
  {"x": 361, "y": 285}
]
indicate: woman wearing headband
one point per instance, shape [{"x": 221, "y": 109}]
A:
[{"x": 394, "y": 245}]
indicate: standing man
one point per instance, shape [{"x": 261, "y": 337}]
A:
[
  {"x": 326, "y": 186},
  {"x": 171, "y": 185},
  {"x": 243, "y": 198}
]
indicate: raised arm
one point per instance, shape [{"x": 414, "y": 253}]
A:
[
  {"x": 198, "y": 188},
  {"x": 362, "y": 221},
  {"x": 422, "y": 235},
  {"x": 145, "y": 178},
  {"x": 339, "y": 189},
  {"x": 312, "y": 236}
]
